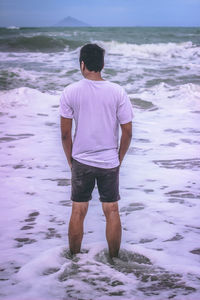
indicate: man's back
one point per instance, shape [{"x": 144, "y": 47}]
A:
[{"x": 98, "y": 107}]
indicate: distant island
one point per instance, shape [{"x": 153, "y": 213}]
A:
[{"x": 71, "y": 22}]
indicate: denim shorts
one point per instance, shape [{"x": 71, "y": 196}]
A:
[{"x": 84, "y": 178}]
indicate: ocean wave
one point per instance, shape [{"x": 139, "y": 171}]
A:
[
  {"x": 38, "y": 43},
  {"x": 159, "y": 50},
  {"x": 182, "y": 98},
  {"x": 23, "y": 96},
  {"x": 15, "y": 77},
  {"x": 12, "y": 27}
]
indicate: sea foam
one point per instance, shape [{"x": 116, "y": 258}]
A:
[{"x": 154, "y": 51}]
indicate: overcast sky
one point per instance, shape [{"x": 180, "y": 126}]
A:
[{"x": 101, "y": 12}]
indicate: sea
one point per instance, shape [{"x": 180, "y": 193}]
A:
[{"x": 159, "y": 68}]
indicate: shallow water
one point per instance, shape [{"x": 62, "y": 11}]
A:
[{"x": 159, "y": 178}]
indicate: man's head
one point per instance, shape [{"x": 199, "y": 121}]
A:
[{"x": 92, "y": 57}]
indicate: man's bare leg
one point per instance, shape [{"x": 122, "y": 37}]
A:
[
  {"x": 75, "y": 232},
  {"x": 113, "y": 227}
]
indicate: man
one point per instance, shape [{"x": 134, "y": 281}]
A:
[{"x": 98, "y": 107}]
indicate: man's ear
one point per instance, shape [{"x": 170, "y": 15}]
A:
[{"x": 82, "y": 66}]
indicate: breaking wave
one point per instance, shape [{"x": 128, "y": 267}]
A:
[
  {"x": 165, "y": 50},
  {"x": 38, "y": 43}
]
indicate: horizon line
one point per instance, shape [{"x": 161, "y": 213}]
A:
[{"x": 103, "y": 26}]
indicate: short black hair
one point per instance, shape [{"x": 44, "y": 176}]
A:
[{"x": 93, "y": 57}]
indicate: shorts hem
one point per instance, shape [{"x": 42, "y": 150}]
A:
[
  {"x": 110, "y": 201},
  {"x": 82, "y": 200}
]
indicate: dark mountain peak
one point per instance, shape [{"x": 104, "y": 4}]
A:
[{"x": 71, "y": 22}]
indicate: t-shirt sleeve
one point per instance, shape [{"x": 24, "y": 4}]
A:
[
  {"x": 66, "y": 110},
  {"x": 124, "y": 110}
]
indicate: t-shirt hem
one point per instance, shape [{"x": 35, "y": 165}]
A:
[
  {"x": 97, "y": 164},
  {"x": 126, "y": 121},
  {"x": 67, "y": 117}
]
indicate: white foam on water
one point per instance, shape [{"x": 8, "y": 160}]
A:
[
  {"x": 13, "y": 27},
  {"x": 25, "y": 97},
  {"x": 135, "y": 66},
  {"x": 146, "y": 65},
  {"x": 167, "y": 51},
  {"x": 91, "y": 272},
  {"x": 159, "y": 204},
  {"x": 55, "y": 268},
  {"x": 47, "y": 71},
  {"x": 65, "y": 55},
  {"x": 186, "y": 95}
]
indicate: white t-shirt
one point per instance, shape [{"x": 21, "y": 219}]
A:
[{"x": 98, "y": 107}]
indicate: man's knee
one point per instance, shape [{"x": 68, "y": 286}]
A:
[
  {"x": 79, "y": 209},
  {"x": 110, "y": 209}
]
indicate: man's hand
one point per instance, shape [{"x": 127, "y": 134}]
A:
[
  {"x": 70, "y": 165},
  {"x": 125, "y": 140},
  {"x": 66, "y": 135}
]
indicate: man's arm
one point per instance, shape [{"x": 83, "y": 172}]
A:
[
  {"x": 125, "y": 140},
  {"x": 66, "y": 136}
]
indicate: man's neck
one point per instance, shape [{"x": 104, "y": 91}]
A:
[{"x": 94, "y": 76}]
